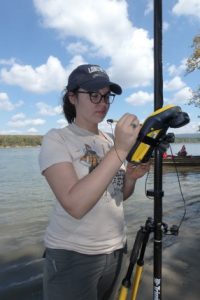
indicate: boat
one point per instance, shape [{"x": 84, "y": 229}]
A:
[{"x": 183, "y": 161}]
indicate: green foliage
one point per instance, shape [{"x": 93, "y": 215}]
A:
[
  {"x": 187, "y": 140},
  {"x": 20, "y": 140},
  {"x": 195, "y": 99},
  {"x": 193, "y": 63}
]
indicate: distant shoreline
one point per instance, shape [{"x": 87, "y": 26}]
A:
[
  {"x": 19, "y": 146},
  {"x": 17, "y": 141},
  {"x": 187, "y": 140}
]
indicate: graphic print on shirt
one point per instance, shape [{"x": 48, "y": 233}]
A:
[
  {"x": 118, "y": 182},
  {"x": 90, "y": 158}
]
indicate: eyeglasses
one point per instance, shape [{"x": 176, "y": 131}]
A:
[{"x": 96, "y": 97}]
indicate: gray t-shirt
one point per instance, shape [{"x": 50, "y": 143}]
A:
[{"x": 102, "y": 229}]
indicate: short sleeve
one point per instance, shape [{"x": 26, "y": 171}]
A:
[{"x": 53, "y": 150}]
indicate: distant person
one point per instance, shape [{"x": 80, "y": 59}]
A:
[
  {"x": 183, "y": 151},
  {"x": 165, "y": 155},
  {"x": 86, "y": 237}
]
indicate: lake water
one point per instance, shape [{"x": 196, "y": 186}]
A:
[{"x": 26, "y": 202}]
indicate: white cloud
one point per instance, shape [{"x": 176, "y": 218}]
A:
[
  {"x": 20, "y": 120},
  {"x": 109, "y": 128},
  {"x": 77, "y": 48},
  {"x": 174, "y": 70},
  {"x": 192, "y": 127},
  {"x": 19, "y": 103},
  {"x": 6, "y": 104},
  {"x": 174, "y": 84},
  {"x": 19, "y": 116},
  {"x": 73, "y": 63},
  {"x": 47, "y": 77},
  {"x": 187, "y": 8},
  {"x": 165, "y": 26},
  {"x": 10, "y": 132},
  {"x": 32, "y": 130},
  {"x": 149, "y": 7},
  {"x": 140, "y": 98},
  {"x": 182, "y": 96},
  {"x": 128, "y": 48},
  {"x": 48, "y": 110},
  {"x": 62, "y": 122},
  {"x": 9, "y": 61}
]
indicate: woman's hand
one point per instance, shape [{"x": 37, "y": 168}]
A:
[
  {"x": 126, "y": 133},
  {"x": 133, "y": 172}
]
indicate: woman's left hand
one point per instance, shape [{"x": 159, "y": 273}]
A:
[{"x": 134, "y": 172}]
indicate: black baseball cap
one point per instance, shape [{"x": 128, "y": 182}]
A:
[{"x": 91, "y": 78}]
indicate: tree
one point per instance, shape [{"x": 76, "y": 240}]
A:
[{"x": 193, "y": 63}]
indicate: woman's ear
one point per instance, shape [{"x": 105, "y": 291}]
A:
[{"x": 72, "y": 97}]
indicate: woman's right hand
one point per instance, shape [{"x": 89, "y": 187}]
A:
[{"x": 126, "y": 132}]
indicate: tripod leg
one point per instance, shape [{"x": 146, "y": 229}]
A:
[
  {"x": 136, "y": 283},
  {"x": 126, "y": 282},
  {"x": 123, "y": 293},
  {"x": 140, "y": 263}
]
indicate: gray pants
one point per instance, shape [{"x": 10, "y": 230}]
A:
[{"x": 69, "y": 275}]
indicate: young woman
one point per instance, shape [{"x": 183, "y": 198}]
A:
[{"x": 84, "y": 167}]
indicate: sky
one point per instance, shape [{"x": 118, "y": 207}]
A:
[{"x": 42, "y": 41}]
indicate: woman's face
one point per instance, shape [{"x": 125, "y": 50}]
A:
[{"x": 89, "y": 112}]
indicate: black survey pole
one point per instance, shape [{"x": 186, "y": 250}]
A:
[{"x": 158, "y": 193}]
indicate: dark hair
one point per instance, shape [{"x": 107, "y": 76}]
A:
[{"x": 68, "y": 108}]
